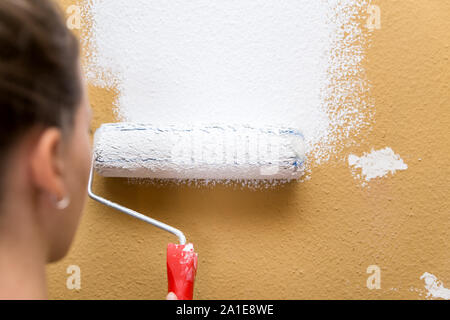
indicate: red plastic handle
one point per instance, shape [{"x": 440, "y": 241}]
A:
[{"x": 181, "y": 270}]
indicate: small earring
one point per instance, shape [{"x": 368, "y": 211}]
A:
[{"x": 63, "y": 203}]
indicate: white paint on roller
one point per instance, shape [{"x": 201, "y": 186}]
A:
[
  {"x": 293, "y": 63},
  {"x": 376, "y": 163},
  {"x": 205, "y": 152},
  {"x": 435, "y": 287}
]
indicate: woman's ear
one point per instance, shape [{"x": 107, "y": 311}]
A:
[{"x": 46, "y": 163}]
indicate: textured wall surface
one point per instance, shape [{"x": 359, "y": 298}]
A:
[{"x": 310, "y": 240}]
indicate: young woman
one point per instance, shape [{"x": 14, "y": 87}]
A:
[{"x": 44, "y": 144}]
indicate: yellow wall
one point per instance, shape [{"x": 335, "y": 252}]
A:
[{"x": 310, "y": 240}]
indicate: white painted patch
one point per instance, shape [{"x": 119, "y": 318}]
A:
[
  {"x": 376, "y": 163},
  {"x": 294, "y": 63},
  {"x": 435, "y": 287}
]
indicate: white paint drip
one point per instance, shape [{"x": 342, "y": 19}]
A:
[
  {"x": 294, "y": 63},
  {"x": 435, "y": 287},
  {"x": 189, "y": 258},
  {"x": 376, "y": 163},
  {"x": 189, "y": 247}
]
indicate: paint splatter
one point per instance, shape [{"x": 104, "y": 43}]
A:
[
  {"x": 376, "y": 164},
  {"x": 435, "y": 287},
  {"x": 291, "y": 63}
]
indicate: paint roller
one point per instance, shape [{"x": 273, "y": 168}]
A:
[{"x": 208, "y": 152}]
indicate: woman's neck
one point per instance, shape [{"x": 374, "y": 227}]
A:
[{"x": 22, "y": 258}]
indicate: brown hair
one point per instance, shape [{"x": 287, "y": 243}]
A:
[{"x": 39, "y": 72}]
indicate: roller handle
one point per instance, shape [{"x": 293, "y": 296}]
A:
[{"x": 181, "y": 270}]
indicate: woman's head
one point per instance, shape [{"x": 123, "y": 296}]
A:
[{"x": 44, "y": 122}]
